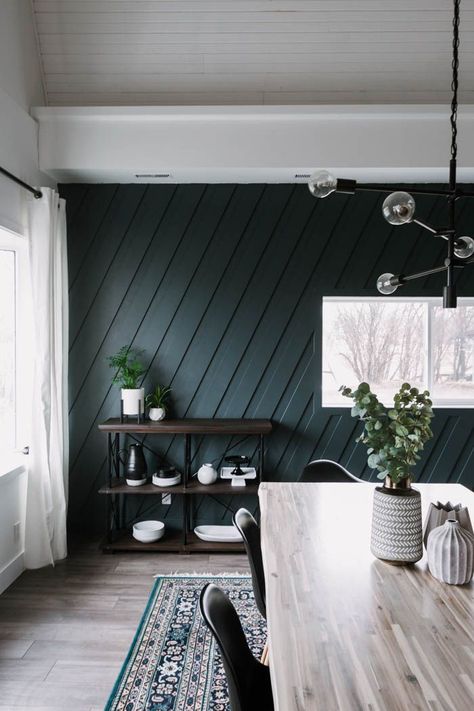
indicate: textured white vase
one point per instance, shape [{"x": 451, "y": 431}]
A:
[
  {"x": 131, "y": 399},
  {"x": 451, "y": 553},
  {"x": 439, "y": 513},
  {"x": 396, "y": 526}
]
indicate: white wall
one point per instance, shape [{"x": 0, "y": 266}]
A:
[
  {"x": 251, "y": 144},
  {"x": 20, "y": 88},
  {"x": 20, "y": 75},
  {"x": 12, "y": 522}
]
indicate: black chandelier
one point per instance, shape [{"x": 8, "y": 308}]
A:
[{"x": 399, "y": 207}]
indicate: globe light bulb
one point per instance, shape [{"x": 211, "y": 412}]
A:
[
  {"x": 322, "y": 184},
  {"x": 466, "y": 249},
  {"x": 398, "y": 208},
  {"x": 384, "y": 286}
]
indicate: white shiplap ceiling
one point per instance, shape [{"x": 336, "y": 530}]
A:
[{"x": 216, "y": 52}]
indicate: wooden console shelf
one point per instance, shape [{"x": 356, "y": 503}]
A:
[
  {"x": 171, "y": 543},
  {"x": 118, "y": 532},
  {"x": 190, "y": 426}
]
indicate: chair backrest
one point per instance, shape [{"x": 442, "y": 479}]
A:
[
  {"x": 248, "y": 680},
  {"x": 250, "y": 532},
  {"x": 325, "y": 470}
]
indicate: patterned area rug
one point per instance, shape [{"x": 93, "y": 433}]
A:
[{"x": 173, "y": 663}]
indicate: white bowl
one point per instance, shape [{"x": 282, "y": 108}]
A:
[
  {"x": 170, "y": 481},
  {"x": 148, "y": 531}
]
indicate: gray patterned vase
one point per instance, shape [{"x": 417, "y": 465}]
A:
[
  {"x": 396, "y": 523},
  {"x": 451, "y": 553}
]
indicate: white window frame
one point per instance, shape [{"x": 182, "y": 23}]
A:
[
  {"x": 430, "y": 301},
  {"x": 11, "y": 241}
]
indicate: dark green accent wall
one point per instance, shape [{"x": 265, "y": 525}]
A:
[{"x": 222, "y": 285}]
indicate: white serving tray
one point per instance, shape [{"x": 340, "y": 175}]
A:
[
  {"x": 218, "y": 534},
  {"x": 248, "y": 473}
]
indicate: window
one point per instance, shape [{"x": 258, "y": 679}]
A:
[
  {"x": 7, "y": 349},
  {"x": 386, "y": 342},
  {"x": 14, "y": 370}
]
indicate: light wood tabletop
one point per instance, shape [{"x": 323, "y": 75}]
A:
[{"x": 347, "y": 631}]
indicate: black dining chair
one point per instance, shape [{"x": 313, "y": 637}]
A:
[
  {"x": 325, "y": 470},
  {"x": 248, "y": 680},
  {"x": 250, "y": 532}
]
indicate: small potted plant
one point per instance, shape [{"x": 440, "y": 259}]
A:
[
  {"x": 395, "y": 437},
  {"x": 156, "y": 402},
  {"x": 128, "y": 371}
]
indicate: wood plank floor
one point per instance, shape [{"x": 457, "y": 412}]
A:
[{"x": 65, "y": 631}]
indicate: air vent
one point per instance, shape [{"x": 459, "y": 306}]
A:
[
  {"x": 153, "y": 175},
  {"x": 302, "y": 176}
]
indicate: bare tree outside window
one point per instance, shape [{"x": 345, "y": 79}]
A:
[
  {"x": 386, "y": 342},
  {"x": 453, "y": 352}
]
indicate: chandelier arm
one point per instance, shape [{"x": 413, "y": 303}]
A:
[
  {"x": 425, "y": 225},
  {"x": 374, "y": 187},
  {"x": 420, "y": 275},
  {"x": 400, "y": 279}
]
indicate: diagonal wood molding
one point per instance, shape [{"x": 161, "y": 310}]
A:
[{"x": 222, "y": 286}]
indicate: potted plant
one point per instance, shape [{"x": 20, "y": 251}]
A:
[
  {"x": 395, "y": 437},
  {"x": 157, "y": 401},
  {"x": 128, "y": 371}
]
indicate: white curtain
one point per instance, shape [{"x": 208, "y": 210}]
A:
[{"x": 46, "y": 508}]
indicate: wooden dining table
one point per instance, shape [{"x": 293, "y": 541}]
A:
[{"x": 347, "y": 631}]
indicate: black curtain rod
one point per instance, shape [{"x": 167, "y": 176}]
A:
[{"x": 37, "y": 193}]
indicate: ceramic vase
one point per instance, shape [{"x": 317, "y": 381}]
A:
[
  {"x": 207, "y": 474},
  {"x": 156, "y": 413},
  {"x": 133, "y": 401},
  {"x": 439, "y": 513},
  {"x": 451, "y": 553},
  {"x": 135, "y": 466},
  {"x": 396, "y": 523}
]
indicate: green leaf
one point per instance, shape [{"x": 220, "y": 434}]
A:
[{"x": 373, "y": 460}]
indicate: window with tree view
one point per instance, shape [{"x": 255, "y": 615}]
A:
[
  {"x": 386, "y": 342},
  {"x": 7, "y": 350}
]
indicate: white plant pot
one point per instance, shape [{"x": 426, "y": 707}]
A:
[
  {"x": 207, "y": 474},
  {"x": 131, "y": 398},
  {"x": 156, "y": 413}
]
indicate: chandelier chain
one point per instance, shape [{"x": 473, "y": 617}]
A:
[{"x": 454, "y": 82}]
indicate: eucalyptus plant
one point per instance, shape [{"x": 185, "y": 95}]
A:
[
  {"x": 394, "y": 436},
  {"x": 128, "y": 367}
]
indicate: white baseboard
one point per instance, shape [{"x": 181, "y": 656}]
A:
[{"x": 11, "y": 572}]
